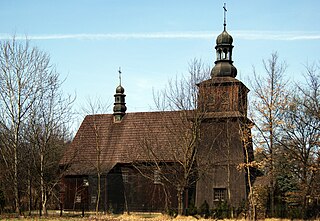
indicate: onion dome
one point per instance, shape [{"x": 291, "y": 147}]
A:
[
  {"x": 224, "y": 38},
  {"x": 224, "y": 64},
  {"x": 119, "y": 90}
]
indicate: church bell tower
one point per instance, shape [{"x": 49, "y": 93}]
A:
[
  {"x": 223, "y": 93},
  {"x": 223, "y": 101}
]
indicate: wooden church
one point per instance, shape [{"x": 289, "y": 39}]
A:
[{"x": 157, "y": 161}]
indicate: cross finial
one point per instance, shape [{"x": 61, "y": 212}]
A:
[
  {"x": 224, "y": 16},
  {"x": 119, "y": 71}
]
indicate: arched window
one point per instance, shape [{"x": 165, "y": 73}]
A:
[
  {"x": 225, "y": 54},
  {"x": 219, "y": 54}
]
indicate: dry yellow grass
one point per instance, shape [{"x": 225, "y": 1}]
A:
[{"x": 133, "y": 217}]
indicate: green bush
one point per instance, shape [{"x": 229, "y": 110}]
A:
[
  {"x": 222, "y": 211},
  {"x": 241, "y": 209},
  {"x": 204, "y": 210}
]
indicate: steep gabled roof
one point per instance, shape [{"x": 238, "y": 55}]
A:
[{"x": 138, "y": 137}]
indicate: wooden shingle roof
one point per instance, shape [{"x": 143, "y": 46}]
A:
[{"x": 138, "y": 137}]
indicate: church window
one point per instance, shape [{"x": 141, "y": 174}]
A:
[
  {"x": 156, "y": 177},
  {"x": 78, "y": 198},
  {"x": 125, "y": 175},
  {"x": 93, "y": 199},
  {"x": 85, "y": 182},
  {"x": 219, "y": 194}
]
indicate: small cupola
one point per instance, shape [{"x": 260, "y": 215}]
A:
[
  {"x": 224, "y": 64},
  {"x": 119, "y": 109}
]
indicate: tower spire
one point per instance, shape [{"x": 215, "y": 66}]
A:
[
  {"x": 119, "y": 108},
  {"x": 223, "y": 65},
  {"x": 224, "y": 16},
  {"x": 119, "y": 71}
]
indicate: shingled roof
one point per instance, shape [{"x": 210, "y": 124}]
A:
[{"x": 138, "y": 137}]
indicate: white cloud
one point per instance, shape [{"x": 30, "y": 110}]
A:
[
  {"x": 276, "y": 35},
  {"x": 246, "y": 35}
]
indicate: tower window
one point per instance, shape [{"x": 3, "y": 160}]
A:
[
  {"x": 219, "y": 54},
  {"x": 225, "y": 52},
  {"x": 219, "y": 194}
]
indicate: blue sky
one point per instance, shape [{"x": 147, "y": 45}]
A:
[{"x": 154, "y": 41}]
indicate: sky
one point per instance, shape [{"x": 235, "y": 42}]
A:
[{"x": 155, "y": 40}]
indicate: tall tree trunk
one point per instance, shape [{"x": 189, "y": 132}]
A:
[
  {"x": 15, "y": 176},
  {"x": 180, "y": 200},
  {"x": 42, "y": 184},
  {"x": 252, "y": 203},
  {"x": 30, "y": 191},
  {"x": 44, "y": 205},
  {"x": 272, "y": 210},
  {"x": 98, "y": 192},
  {"x": 15, "y": 182}
]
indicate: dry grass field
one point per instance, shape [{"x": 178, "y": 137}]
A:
[{"x": 134, "y": 217}]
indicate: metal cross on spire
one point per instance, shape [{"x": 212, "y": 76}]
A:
[
  {"x": 119, "y": 71},
  {"x": 224, "y": 15}
]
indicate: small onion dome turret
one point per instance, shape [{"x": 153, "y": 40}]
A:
[{"x": 119, "y": 108}]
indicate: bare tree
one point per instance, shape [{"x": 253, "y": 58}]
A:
[
  {"x": 249, "y": 165},
  {"x": 21, "y": 69},
  {"x": 270, "y": 98},
  {"x": 31, "y": 101},
  {"x": 301, "y": 134},
  {"x": 177, "y": 164},
  {"x": 48, "y": 132},
  {"x": 311, "y": 91},
  {"x": 94, "y": 108}
]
